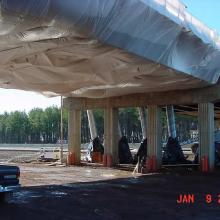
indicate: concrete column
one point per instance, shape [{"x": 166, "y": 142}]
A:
[
  {"x": 92, "y": 125},
  {"x": 111, "y": 137},
  {"x": 171, "y": 124},
  {"x": 206, "y": 136},
  {"x": 143, "y": 119},
  {"x": 154, "y": 138},
  {"x": 74, "y": 137}
]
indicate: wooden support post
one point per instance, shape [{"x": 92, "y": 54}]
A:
[
  {"x": 111, "y": 137},
  {"x": 154, "y": 140},
  {"x": 74, "y": 137},
  {"x": 206, "y": 136}
]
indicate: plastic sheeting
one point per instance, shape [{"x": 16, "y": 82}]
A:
[{"x": 100, "y": 48}]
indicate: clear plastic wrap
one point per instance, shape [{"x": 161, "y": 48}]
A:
[{"x": 98, "y": 48}]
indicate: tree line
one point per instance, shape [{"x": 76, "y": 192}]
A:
[{"x": 43, "y": 126}]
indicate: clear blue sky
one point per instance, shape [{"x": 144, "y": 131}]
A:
[{"x": 208, "y": 11}]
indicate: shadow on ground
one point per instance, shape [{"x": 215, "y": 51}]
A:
[{"x": 145, "y": 197}]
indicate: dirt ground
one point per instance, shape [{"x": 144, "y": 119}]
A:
[
  {"x": 87, "y": 192},
  {"x": 50, "y": 192}
]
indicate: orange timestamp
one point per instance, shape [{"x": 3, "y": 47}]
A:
[{"x": 191, "y": 198}]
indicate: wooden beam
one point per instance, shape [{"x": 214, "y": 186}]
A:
[{"x": 177, "y": 97}]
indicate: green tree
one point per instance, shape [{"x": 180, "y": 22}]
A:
[
  {"x": 36, "y": 118},
  {"x": 17, "y": 127}
]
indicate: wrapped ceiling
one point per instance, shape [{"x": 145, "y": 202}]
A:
[{"x": 103, "y": 48}]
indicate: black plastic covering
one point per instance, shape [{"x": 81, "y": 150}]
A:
[
  {"x": 94, "y": 146},
  {"x": 141, "y": 155},
  {"x": 173, "y": 153},
  {"x": 125, "y": 156}
]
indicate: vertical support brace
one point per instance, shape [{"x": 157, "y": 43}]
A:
[
  {"x": 119, "y": 129},
  {"x": 111, "y": 137},
  {"x": 206, "y": 136},
  {"x": 143, "y": 119},
  {"x": 154, "y": 136},
  {"x": 74, "y": 137},
  {"x": 171, "y": 124},
  {"x": 92, "y": 125}
]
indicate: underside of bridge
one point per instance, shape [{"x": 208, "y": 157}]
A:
[{"x": 99, "y": 56}]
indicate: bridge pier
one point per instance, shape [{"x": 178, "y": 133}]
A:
[
  {"x": 154, "y": 138},
  {"x": 74, "y": 137},
  {"x": 204, "y": 97},
  {"x": 206, "y": 136},
  {"x": 111, "y": 137}
]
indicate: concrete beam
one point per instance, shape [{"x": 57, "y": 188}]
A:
[
  {"x": 177, "y": 97},
  {"x": 206, "y": 136},
  {"x": 111, "y": 136},
  {"x": 154, "y": 138},
  {"x": 74, "y": 137}
]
